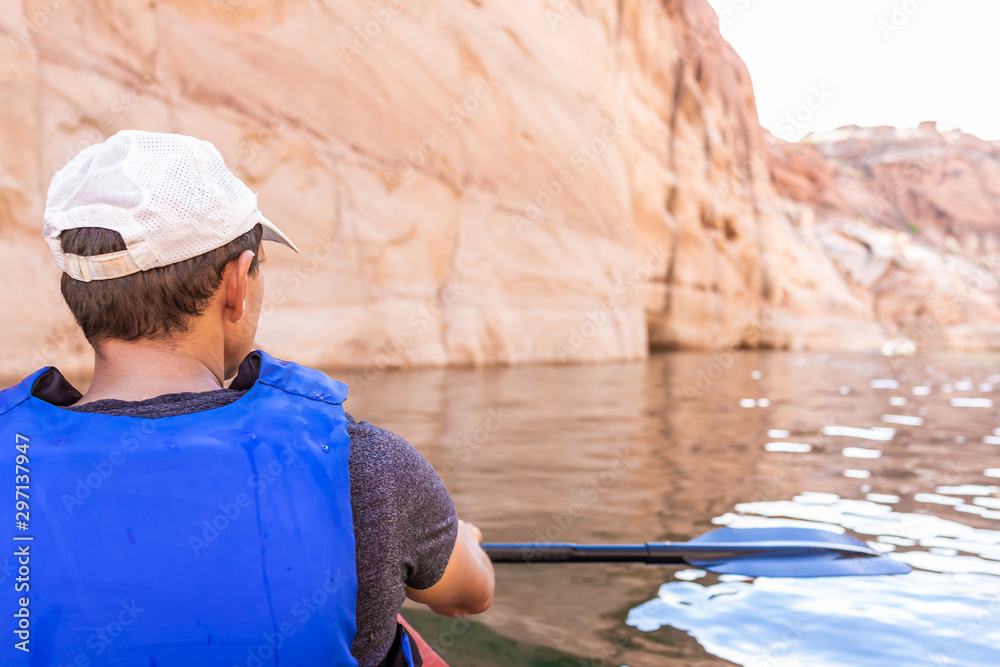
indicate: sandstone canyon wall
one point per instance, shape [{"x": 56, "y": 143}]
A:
[{"x": 477, "y": 181}]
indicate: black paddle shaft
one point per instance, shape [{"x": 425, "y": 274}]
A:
[
  {"x": 752, "y": 552},
  {"x": 527, "y": 552},
  {"x": 659, "y": 553}
]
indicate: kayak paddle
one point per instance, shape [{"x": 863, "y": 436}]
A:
[{"x": 753, "y": 552}]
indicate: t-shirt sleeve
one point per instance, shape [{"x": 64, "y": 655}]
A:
[{"x": 426, "y": 521}]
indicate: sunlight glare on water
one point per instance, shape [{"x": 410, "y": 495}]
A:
[
  {"x": 837, "y": 621},
  {"x": 947, "y": 612}
]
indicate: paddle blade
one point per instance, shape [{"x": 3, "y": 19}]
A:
[{"x": 858, "y": 559}]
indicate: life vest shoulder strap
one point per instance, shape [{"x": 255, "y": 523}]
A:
[
  {"x": 14, "y": 396},
  {"x": 300, "y": 380}
]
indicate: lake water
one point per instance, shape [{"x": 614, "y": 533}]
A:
[{"x": 900, "y": 453}]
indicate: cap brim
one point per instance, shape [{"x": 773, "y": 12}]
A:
[{"x": 272, "y": 233}]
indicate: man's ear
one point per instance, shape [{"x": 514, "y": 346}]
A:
[{"x": 235, "y": 283}]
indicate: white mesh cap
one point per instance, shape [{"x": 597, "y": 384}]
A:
[{"x": 170, "y": 196}]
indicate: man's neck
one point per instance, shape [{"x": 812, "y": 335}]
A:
[{"x": 138, "y": 370}]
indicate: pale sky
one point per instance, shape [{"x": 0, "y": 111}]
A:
[{"x": 850, "y": 62}]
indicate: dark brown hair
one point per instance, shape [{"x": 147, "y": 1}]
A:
[{"x": 150, "y": 304}]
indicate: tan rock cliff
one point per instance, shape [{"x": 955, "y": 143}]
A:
[{"x": 477, "y": 182}]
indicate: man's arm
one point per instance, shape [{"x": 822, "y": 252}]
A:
[
  {"x": 443, "y": 565},
  {"x": 466, "y": 587}
]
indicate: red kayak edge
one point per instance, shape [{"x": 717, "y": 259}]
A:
[{"x": 430, "y": 656}]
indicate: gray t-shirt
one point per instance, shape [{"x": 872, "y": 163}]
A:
[{"x": 405, "y": 524}]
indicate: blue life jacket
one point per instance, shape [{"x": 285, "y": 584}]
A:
[{"x": 220, "y": 538}]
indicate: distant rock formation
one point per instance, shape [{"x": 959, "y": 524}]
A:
[
  {"x": 510, "y": 182},
  {"x": 911, "y": 217}
]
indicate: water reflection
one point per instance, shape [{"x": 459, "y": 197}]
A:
[
  {"x": 948, "y": 612},
  {"x": 672, "y": 448},
  {"x": 923, "y": 618}
]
